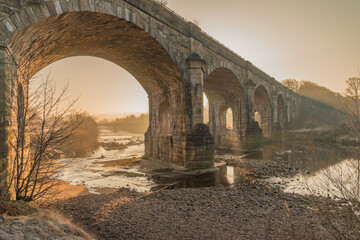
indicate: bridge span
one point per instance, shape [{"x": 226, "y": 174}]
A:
[{"x": 174, "y": 61}]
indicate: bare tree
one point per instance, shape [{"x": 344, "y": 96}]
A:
[
  {"x": 41, "y": 127},
  {"x": 292, "y": 84},
  {"x": 342, "y": 181},
  {"x": 352, "y": 92}
]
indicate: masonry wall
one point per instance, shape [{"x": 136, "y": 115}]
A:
[{"x": 180, "y": 39}]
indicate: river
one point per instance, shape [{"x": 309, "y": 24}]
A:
[{"x": 300, "y": 167}]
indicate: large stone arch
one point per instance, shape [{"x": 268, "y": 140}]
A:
[
  {"x": 37, "y": 36},
  {"x": 36, "y": 40},
  {"x": 184, "y": 60},
  {"x": 262, "y": 105},
  {"x": 224, "y": 90}
]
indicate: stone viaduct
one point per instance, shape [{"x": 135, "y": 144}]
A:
[{"x": 174, "y": 61}]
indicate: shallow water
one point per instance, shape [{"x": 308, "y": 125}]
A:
[
  {"x": 98, "y": 171},
  {"x": 341, "y": 180},
  {"x": 94, "y": 175},
  {"x": 224, "y": 176}
]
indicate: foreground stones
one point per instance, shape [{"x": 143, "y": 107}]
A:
[{"x": 244, "y": 212}]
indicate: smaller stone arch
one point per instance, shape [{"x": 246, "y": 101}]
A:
[
  {"x": 206, "y": 115},
  {"x": 224, "y": 91},
  {"x": 257, "y": 118},
  {"x": 263, "y": 107},
  {"x": 227, "y": 118}
]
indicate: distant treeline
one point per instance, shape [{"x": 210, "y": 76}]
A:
[
  {"x": 131, "y": 123},
  {"x": 317, "y": 92},
  {"x": 85, "y": 138},
  {"x": 326, "y": 110}
]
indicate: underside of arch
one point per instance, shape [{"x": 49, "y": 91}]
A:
[
  {"x": 222, "y": 85},
  {"x": 123, "y": 43},
  {"x": 98, "y": 35},
  {"x": 224, "y": 91}
]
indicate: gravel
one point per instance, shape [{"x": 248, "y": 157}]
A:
[{"x": 257, "y": 211}]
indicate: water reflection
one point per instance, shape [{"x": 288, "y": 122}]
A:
[
  {"x": 325, "y": 169},
  {"x": 340, "y": 180},
  {"x": 224, "y": 176},
  {"x": 303, "y": 154},
  {"x": 104, "y": 168}
]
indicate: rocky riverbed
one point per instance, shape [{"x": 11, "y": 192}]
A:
[
  {"x": 256, "y": 211},
  {"x": 237, "y": 201}
]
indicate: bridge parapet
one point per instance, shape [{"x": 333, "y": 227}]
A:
[{"x": 179, "y": 23}]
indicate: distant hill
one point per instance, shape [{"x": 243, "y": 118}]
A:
[
  {"x": 321, "y": 94},
  {"x": 319, "y": 106}
]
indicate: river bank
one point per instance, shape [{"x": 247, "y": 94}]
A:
[
  {"x": 235, "y": 200},
  {"x": 204, "y": 207},
  {"x": 256, "y": 211}
]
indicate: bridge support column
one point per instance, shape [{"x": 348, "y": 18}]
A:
[
  {"x": 5, "y": 113},
  {"x": 212, "y": 118},
  {"x": 215, "y": 120},
  {"x": 275, "y": 108},
  {"x": 277, "y": 131},
  {"x": 165, "y": 136},
  {"x": 288, "y": 110},
  {"x": 199, "y": 147},
  {"x": 149, "y": 139},
  {"x": 194, "y": 85},
  {"x": 253, "y": 133}
]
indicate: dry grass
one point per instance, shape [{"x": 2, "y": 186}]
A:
[
  {"x": 61, "y": 190},
  {"x": 41, "y": 225}
]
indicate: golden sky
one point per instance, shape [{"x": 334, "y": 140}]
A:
[{"x": 315, "y": 40}]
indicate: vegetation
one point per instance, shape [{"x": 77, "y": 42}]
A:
[
  {"x": 41, "y": 129},
  {"x": 49, "y": 128},
  {"x": 342, "y": 181},
  {"x": 43, "y": 224},
  {"x": 352, "y": 107},
  {"x": 131, "y": 123},
  {"x": 16, "y": 208},
  {"x": 330, "y": 107},
  {"x": 326, "y": 110},
  {"x": 292, "y": 84},
  {"x": 316, "y": 92},
  {"x": 85, "y": 137}
]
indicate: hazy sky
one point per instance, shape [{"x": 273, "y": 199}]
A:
[{"x": 315, "y": 40}]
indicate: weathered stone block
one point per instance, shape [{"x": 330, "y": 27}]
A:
[
  {"x": 200, "y": 147},
  {"x": 154, "y": 44},
  {"x": 254, "y": 138},
  {"x": 277, "y": 134}
]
